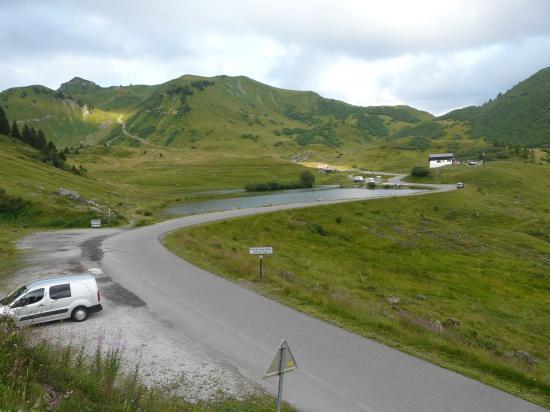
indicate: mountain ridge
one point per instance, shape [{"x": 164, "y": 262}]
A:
[{"x": 221, "y": 112}]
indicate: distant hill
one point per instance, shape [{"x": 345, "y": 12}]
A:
[
  {"x": 220, "y": 113},
  {"x": 519, "y": 116},
  {"x": 242, "y": 116}
]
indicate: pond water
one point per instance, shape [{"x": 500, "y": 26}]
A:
[{"x": 283, "y": 197}]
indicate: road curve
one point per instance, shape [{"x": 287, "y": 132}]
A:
[{"x": 338, "y": 370}]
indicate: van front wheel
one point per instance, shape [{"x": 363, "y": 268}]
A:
[{"x": 79, "y": 314}]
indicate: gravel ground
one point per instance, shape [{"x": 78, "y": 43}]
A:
[{"x": 166, "y": 357}]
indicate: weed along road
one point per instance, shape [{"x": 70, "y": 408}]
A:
[{"x": 339, "y": 371}]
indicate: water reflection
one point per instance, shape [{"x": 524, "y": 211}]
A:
[{"x": 283, "y": 197}]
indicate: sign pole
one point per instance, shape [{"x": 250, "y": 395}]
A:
[
  {"x": 282, "y": 362},
  {"x": 281, "y": 375},
  {"x": 261, "y": 260}
]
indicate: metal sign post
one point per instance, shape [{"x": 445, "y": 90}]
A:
[
  {"x": 282, "y": 362},
  {"x": 281, "y": 376},
  {"x": 261, "y": 260},
  {"x": 264, "y": 250}
]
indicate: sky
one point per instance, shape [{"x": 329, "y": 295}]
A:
[{"x": 432, "y": 55}]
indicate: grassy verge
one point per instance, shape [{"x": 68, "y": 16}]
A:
[
  {"x": 460, "y": 279},
  {"x": 38, "y": 377}
]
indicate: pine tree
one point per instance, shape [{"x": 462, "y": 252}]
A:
[
  {"x": 34, "y": 138},
  {"x": 15, "y": 131},
  {"x": 40, "y": 140},
  {"x": 26, "y": 135},
  {"x": 4, "y": 124}
]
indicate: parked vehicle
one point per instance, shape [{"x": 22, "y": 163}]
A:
[
  {"x": 460, "y": 185},
  {"x": 61, "y": 297}
]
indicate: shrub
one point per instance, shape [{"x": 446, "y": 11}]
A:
[
  {"x": 12, "y": 207},
  {"x": 307, "y": 179},
  {"x": 319, "y": 229},
  {"x": 371, "y": 185},
  {"x": 420, "y": 171}
]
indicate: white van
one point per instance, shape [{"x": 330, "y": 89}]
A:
[{"x": 61, "y": 297}]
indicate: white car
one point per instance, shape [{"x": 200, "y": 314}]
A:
[{"x": 61, "y": 297}]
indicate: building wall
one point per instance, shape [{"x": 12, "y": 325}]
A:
[{"x": 439, "y": 163}]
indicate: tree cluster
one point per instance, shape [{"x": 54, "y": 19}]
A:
[
  {"x": 36, "y": 138},
  {"x": 306, "y": 180}
]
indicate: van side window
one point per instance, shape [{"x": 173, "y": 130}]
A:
[
  {"x": 30, "y": 298},
  {"x": 60, "y": 291}
]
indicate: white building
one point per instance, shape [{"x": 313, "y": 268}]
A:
[{"x": 441, "y": 159}]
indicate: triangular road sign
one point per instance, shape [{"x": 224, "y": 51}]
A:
[{"x": 289, "y": 363}]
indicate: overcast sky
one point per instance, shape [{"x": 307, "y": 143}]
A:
[{"x": 433, "y": 55}]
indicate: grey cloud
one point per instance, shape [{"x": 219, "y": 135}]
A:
[{"x": 49, "y": 42}]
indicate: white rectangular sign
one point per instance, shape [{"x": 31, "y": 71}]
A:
[
  {"x": 264, "y": 250},
  {"x": 96, "y": 223}
]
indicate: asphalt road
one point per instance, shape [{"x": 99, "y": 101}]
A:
[{"x": 338, "y": 370}]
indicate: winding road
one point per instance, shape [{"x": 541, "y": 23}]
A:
[{"x": 338, "y": 370}]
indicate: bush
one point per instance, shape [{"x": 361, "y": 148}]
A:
[
  {"x": 371, "y": 185},
  {"x": 420, "y": 171},
  {"x": 12, "y": 207},
  {"x": 307, "y": 179},
  {"x": 318, "y": 229}
]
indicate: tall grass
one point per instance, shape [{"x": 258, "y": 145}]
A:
[{"x": 38, "y": 377}]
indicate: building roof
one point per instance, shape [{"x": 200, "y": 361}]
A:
[{"x": 441, "y": 156}]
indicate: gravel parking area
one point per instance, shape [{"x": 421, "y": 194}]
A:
[{"x": 165, "y": 357}]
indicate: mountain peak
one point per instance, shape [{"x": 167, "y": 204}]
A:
[{"x": 77, "y": 84}]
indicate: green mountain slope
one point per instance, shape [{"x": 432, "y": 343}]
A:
[
  {"x": 240, "y": 116},
  {"x": 519, "y": 116},
  {"x": 62, "y": 118},
  {"x": 220, "y": 113},
  {"x": 51, "y": 190}
]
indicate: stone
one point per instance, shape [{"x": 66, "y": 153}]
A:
[
  {"x": 393, "y": 300},
  {"x": 69, "y": 193},
  {"x": 525, "y": 356},
  {"x": 421, "y": 297},
  {"x": 455, "y": 323},
  {"x": 436, "y": 326}
]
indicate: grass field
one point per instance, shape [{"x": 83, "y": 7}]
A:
[{"x": 470, "y": 269}]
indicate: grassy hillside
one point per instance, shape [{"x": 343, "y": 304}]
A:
[
  {"x": 519, "y": 116},
  {"x": 24, "y": 175},
  {"x": 223, "y": 114},
  {"x": 469, "y": 269},
  {"x": 241, "y": 116}
]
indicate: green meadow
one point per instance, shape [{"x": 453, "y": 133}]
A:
[{"x": 460, "y": 279}]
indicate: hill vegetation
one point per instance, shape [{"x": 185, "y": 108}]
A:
[
  {"x": 519, "y": 116},
  {"x": 237, "y": 114}
]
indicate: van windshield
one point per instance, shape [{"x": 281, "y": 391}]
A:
[{"x": 14, "y": 295}]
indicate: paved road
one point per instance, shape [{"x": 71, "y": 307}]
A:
[{"x": 338, "y": 370}]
